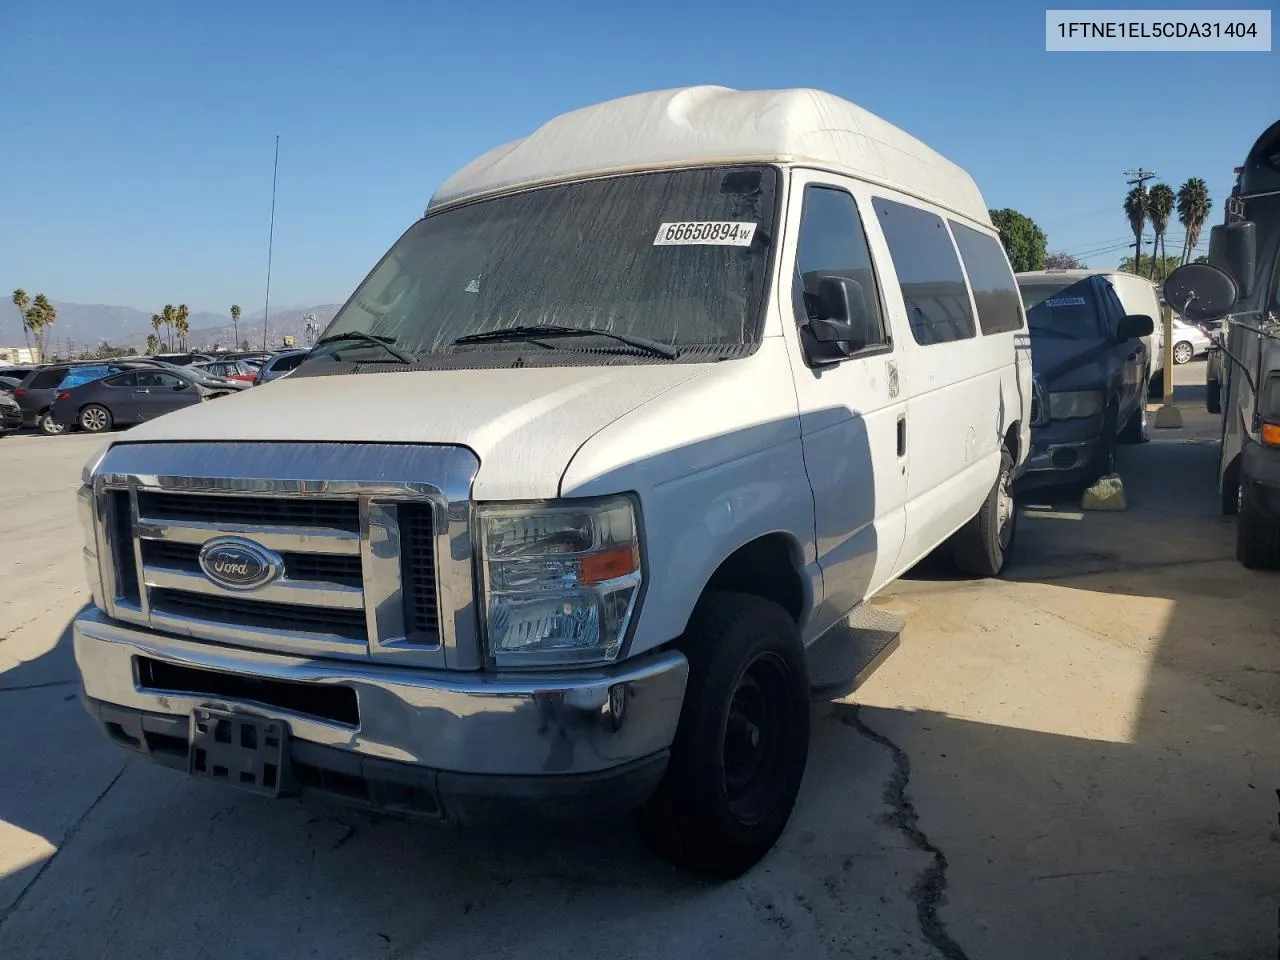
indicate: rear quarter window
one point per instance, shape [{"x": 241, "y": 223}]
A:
[
  {"x": 46, "y": 380},
  {"x": 929, "y": 274},
  {"x": 994, "y": 289}
]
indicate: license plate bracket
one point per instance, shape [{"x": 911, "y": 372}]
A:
[{"x": 240, "y": 750}]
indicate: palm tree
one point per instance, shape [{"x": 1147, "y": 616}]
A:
[
  {"x": 40, "y": 316},
  {"x": 182, "y": 324},
  {"x": 157, "y": 322},
  {"x": 235, "y": 320},
  {"x": 168, "y": 316},
  {"x": 1193, "y": 210},
  {"x": 1160, "y": 203},
  {"x": 21, "y": 300},
  {"x": 1135, "y": 208},
  {"x": 153, "y": 342}
]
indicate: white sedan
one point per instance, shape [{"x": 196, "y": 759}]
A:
[{"x": 1189, "y": 341}]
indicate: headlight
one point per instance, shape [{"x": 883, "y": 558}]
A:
[
  {"x": 1075, "y": 403},
  {"x": 560, "y": 580}
]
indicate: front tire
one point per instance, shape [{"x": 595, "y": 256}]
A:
[
  {"x": 1103, "y": 462},
  {"x": 95, "y": 419},
  {"x": 1183, "y": 352},
  {"x": 982, "y": 546},
  {"x": 1257, "y": 538},
  {"x": 742, "y": 742},
  {"x": 49, "y": 426},
  {"x": 1137, "y": 429},
  {"x": 1231, "y": 490}
]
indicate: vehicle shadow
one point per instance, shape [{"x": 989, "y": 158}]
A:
[{"x": 1144, "y": 831}]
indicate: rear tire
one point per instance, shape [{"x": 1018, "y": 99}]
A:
[
  {"x": 742, "y": 742},
  {"x": 982, "y": 546},
  {"x": 49, "y": 426},
  {"x": 95, "y": 418},
  {"x": 1213, "y": 396},
  {"x": 1257, "y": 539}
]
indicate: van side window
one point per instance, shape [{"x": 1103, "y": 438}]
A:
[
  {"x": 832, "y": 243},
  {"x": 994, "y": 289},
  {"x": 929, "y": 273}
]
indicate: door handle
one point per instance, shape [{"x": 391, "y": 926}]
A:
[{"x": 902, "y": 435}]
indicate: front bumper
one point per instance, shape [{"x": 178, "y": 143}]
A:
[
  {"x": 1058, "y": 463},
  {"x": 460, "y": 740}
]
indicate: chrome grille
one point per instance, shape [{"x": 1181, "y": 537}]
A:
[{"x": 359, "y": 556}]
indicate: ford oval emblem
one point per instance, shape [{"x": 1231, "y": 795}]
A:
[{"x": 239, "y": 564}]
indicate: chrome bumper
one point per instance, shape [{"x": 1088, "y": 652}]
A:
[{"x": 515, "y": 724}]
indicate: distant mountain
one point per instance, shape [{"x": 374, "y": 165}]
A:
[{"x": 87, "y": 324}]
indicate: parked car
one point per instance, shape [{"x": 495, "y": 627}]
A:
[
  {"x": 10, "y": 413},
  {"x": 9, "y": 384},
  {"x": 227, "y": 370},
  {"x": 38, "y": 389},
  {"x": 279, "y": 365},
  {"x": 632, "y": 449},
  {"x": 133, "y": 396},
  {"x": 18, "y": 372},
  {"x": 1091, "y": 376},
  {"x": 1190, "y": 340},
  {"x": 1139, "y": 296}
]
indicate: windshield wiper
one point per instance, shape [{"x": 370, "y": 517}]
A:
[
  {"x": 358, "y": 336},
  {"x": 553, "y": 330}
]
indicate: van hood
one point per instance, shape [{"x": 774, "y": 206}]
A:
[{"x": 523, "y": 423}]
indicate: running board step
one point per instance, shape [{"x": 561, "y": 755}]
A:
[{"x": 844, "y": 657}]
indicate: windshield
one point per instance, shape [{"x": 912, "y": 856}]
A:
[
  {"x": 677, "y": 256},
  {"x": 1066, "y": 309}
]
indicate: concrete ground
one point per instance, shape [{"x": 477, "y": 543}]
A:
[{"x": 1080, "y": 761}]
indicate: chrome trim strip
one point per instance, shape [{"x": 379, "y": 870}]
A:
[
  {"x": 306, "y": 593},
  {"x": 270, "y": 639},
  {"x": 136, "y": 545},
  {"x": 384, "y": 606},
  {"x": 283, "y": 539}
]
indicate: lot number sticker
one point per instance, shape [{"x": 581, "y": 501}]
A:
[
  {"x": 1065, "y": 302},
  {"x": 720, "y": 233}
]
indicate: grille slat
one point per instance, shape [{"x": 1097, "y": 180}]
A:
[
  {"x": 418, "y": 569},
  {"x": 265, "y": 511},
  {"x": 121, "y": 517},
  {"x": 321, "y": 567},
  {"x": 234, "y": 611}
]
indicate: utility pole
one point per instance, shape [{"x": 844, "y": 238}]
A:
[
  {"x": 266, "y": 309},
  {"x": 1138, "y": 178}
]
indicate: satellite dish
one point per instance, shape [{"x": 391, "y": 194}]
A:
[{"x": 1200, "y": 293}]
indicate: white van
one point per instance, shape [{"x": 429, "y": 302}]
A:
[{"x": 646, "y": 404}]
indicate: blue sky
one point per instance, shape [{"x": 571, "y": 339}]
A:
[{"x": 136, "y": 168}]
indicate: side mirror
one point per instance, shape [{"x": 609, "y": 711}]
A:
[
  {"x": 1135, "y": 325},
  {"x": 182, "y": 386},
  {"x": 1200, "y": 292},
  {"x": 1233, "y": 249},
  {"x": 840, "y": 328}
]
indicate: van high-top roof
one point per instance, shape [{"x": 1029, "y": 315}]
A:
[{"x": 710, "y": 124}]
